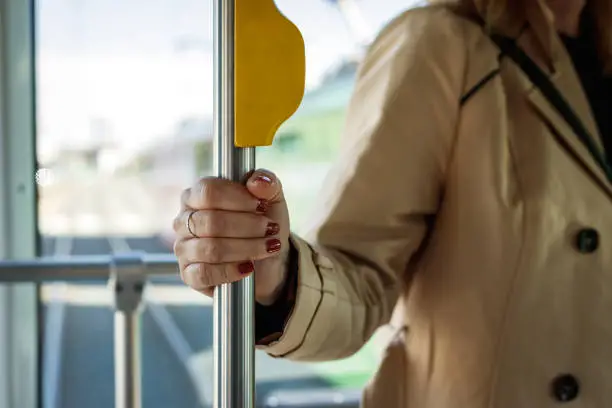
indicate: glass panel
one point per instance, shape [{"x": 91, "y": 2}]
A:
[{"x": 124, "y": 101}]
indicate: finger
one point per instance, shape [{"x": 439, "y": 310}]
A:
[
  {"x": 224, "y": 224},
  {"x": 203, "y": 276},
  {"x": 220, "y": 194},
  {"x": 210, "y": 292},
  {"x": 184, "y": 197},
  {"x": 264, "y": 185},
  {"x": 226, "y": 250}
]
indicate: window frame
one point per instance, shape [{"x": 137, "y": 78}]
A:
[{"x": 19, "y": 303}]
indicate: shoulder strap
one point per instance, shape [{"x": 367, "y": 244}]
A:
[{"x": 509, "y": 48}]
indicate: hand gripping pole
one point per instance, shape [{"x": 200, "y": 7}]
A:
[{"x": 259, "y": 84}]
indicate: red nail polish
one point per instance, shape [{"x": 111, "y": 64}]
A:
[
  {"x": 272, "y": 229},
  {"x": 263, "y": 179},
  {"x": 262, "y": 206},
  {"x": 246, "y": 268},
  {"x": 273, "y": 245}
]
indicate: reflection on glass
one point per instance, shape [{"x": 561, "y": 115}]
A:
[{"x": 124, "y": 101}]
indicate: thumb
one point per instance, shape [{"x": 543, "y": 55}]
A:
[{"x": 266, "y": 186}]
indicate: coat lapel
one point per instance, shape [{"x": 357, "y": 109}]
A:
[
  {"x": 569, "y": 139},
  {"x": 549, "y": 52}
]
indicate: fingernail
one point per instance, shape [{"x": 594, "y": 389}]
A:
[
  {"x": 262, "y": 206},
  {"x": 246, "y": 268},
  {"x": 263, "y": 179},
  {"x": 273, "y": 245},
  {"x": 272, "y": 229}
]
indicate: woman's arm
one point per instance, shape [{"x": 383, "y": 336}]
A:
[{"x": 387, "y": 182}]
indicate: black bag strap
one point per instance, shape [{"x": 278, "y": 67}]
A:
[{"x": 544, "y": 84}]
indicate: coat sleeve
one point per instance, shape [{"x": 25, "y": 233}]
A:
[{"x": 372, "y": 215}]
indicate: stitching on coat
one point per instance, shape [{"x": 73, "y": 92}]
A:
[
  {"x": 308, "y": 327},
  {"x": 479, "y": 85}
]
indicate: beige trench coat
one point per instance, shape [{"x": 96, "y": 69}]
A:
[{"x": 488, "y": 225}]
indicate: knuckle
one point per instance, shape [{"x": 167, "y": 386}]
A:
[
  {"x": 205, "y": 275},
  {"x": 209, "y": 193},
  {"x": 204, "y": 223},
  {"x": 195, "y": 276},
  {"x": 185, "y": 196},
  {"x": 177, "y": 223},
  {"x": 177, "y": 248},
  {"x": 224, "y": 276},
  {"x": 215, "y": 224},
  {"x": 183, "y": 274},
  {"x": 209, "y": 292},
  {"x": 202, "y": 276},
  {"x": 212, "y": 250}
]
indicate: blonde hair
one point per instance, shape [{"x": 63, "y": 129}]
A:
[{"x": 511, "y": 13}]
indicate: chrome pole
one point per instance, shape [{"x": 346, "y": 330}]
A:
[
  {"x": 127, "y": 281},
  {"x": 234, "y": 321},
  {"x": 128, "y": 377}
]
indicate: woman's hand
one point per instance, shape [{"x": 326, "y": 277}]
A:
[{"x": 226, "y": 231}]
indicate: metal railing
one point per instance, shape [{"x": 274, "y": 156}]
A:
[
  {"x": 127, "y": 275},
  {"x": 83, "y": 267}
]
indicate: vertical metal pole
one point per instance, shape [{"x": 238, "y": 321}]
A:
[
  {"x": 127, "y": 282},
  {"x": 234, "y": 327},
  {"x": 127, "y": 360},
  {"x": 19, "y": 304}
]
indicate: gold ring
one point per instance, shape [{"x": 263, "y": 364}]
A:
[{"x": 189, "y": 224}]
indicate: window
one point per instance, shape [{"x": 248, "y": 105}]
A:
[{"x": 124, "y": 123}]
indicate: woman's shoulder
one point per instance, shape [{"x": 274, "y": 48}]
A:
[{"x": 439, "y": 23}]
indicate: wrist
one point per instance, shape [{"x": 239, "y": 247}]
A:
[{"x": 271, "y": 319}]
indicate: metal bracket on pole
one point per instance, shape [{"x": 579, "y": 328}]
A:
[{"x": 127, "y": 281}]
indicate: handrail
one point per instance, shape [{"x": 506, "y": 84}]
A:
[
  {"x": 314, "y": 398},
  {"x": 81, "y": 267},
  {"x": 127, "y": 275},
  {"x": 127, "y": 363}
]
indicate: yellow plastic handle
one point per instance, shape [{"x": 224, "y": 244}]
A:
[{"x": 270, "y": 71}]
